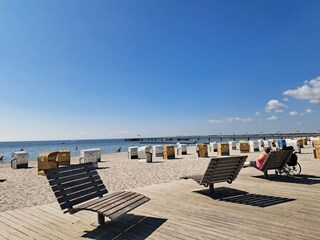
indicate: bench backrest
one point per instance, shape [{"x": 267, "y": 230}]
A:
[
  {"x": 75, "y": 184},
  {"x": 276, "y": 159},
  {"x": 223, "y": 169}
]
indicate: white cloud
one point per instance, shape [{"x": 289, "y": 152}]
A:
[
  {"x": 272, "y": 118},
  {"x": 215, "y": 121},
  {"x": 309, "y": 91},
  {"x": 286, "y": 99},
  {"x": 279, "y": 110},
  {"x": 309, "y": 110},
  {"x": 274, "y": 105},
  {"x": 293, "y": 113},
  {"x": 298, "y": 123},
  {"x": 257, "y": 113},
  {"x": 232, "y": 119}
]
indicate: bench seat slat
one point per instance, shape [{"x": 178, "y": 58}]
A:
[
  {"x": 71, "y": 173},
  {"x": 116, "y": 208},
  {"x": 116, "y": 202},
  {"x": 98, "y": 200},
  {"x": 100, "y": 205},
  {"x": 82, "y": 199},
  {"x": 73, "y": 179},
  {"x": 68, "y": 185},
  {"x": 68, "y": 168},
  {"x": 129, "y": 208},
  {"x": 83, "y": 186},
  {"x": 61, "y": 197}
]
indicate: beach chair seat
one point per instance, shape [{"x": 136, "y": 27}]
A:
[
  {"x": 79, "y": 187},
  {"x": 220, "y": 169},
  {"x": 276, "y": 160}
]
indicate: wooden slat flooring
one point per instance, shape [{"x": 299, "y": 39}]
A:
[{"x": 249, "y": 208}]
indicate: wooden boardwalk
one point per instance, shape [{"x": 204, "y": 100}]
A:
[{"x": 250, "y": 208}]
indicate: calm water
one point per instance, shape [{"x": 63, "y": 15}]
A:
[{"x": 34, "y": 148}]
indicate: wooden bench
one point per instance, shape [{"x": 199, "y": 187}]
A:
[
  {"x": 220, "y": 169},
  {"x": 276, "y": 160},
  {"x": 79, "y": 187}
]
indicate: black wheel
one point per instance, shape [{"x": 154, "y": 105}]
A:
[
  {"x": 284, "y": 171},
  {"x": 296, "y": 170}
]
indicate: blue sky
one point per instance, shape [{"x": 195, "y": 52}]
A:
[{"x": 111, "y": 69}]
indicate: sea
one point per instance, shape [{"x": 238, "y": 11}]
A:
[{"x": 34, "y": 148}]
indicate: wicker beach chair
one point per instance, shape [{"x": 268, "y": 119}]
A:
[
  {"x": 79, "y": 187},
  {"x": 47, "y": 160},
  {"x": 220, "y": 169}
]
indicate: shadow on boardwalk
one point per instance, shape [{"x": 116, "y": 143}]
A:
[
  {"x": 127, "y": 227},
  {"x": 242, "y": 197},
  {"x": 301, "y": 179}
]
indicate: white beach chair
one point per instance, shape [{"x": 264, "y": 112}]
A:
[{"x": 20, "y": 159}]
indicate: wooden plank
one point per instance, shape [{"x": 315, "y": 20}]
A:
[
  {"x": 43, "y": 228},
  {"x": 8, "y": 232},
  {"x": 73, "y": 179},
  {"x": 95, "y": 179},
  {"x": 99, "y": 200},
  {"x": 78, "y": 188},
  {"x": 67, "y": 168},
  {"x": 73, "y": 172},
  {"x": 118, "y": 211},
  {"x": 117, "y": 202},
  {"x": 93, "y": 191},
  {"x": 108, "y": 201},
  {"x": 17, "y": 227},
  {"x": 82, "y": 199}
]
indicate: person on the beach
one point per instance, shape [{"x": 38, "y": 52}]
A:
[
  {"x": 119, "y": 150},
  {"x": 259, "y": 160}
]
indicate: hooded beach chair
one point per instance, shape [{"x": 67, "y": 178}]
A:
[
  {"x": 20, "y": 160},
  {"x": 79, "y": 187},
  {"x": 276, "y": 160},
  {"x": 220, "y": 169}
]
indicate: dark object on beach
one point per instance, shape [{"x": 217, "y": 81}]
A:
[
  {"x": 1, "y": 158},
  {"x": 293, "y": 159},
  {"x": 77, "y": 187},
  {"x": 21, "y": 149},
  {"x": 119, "y": 150},
  {"x": 220, "y": 169}
]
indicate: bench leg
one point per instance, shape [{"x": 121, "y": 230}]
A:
[
  {"x": 101, "y": 219},
  {"x": 266, "y": 174},
  {"x": 211, "y": 188}
]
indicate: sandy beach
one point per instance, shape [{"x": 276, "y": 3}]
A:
[{"x": 25, "y": 188}]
